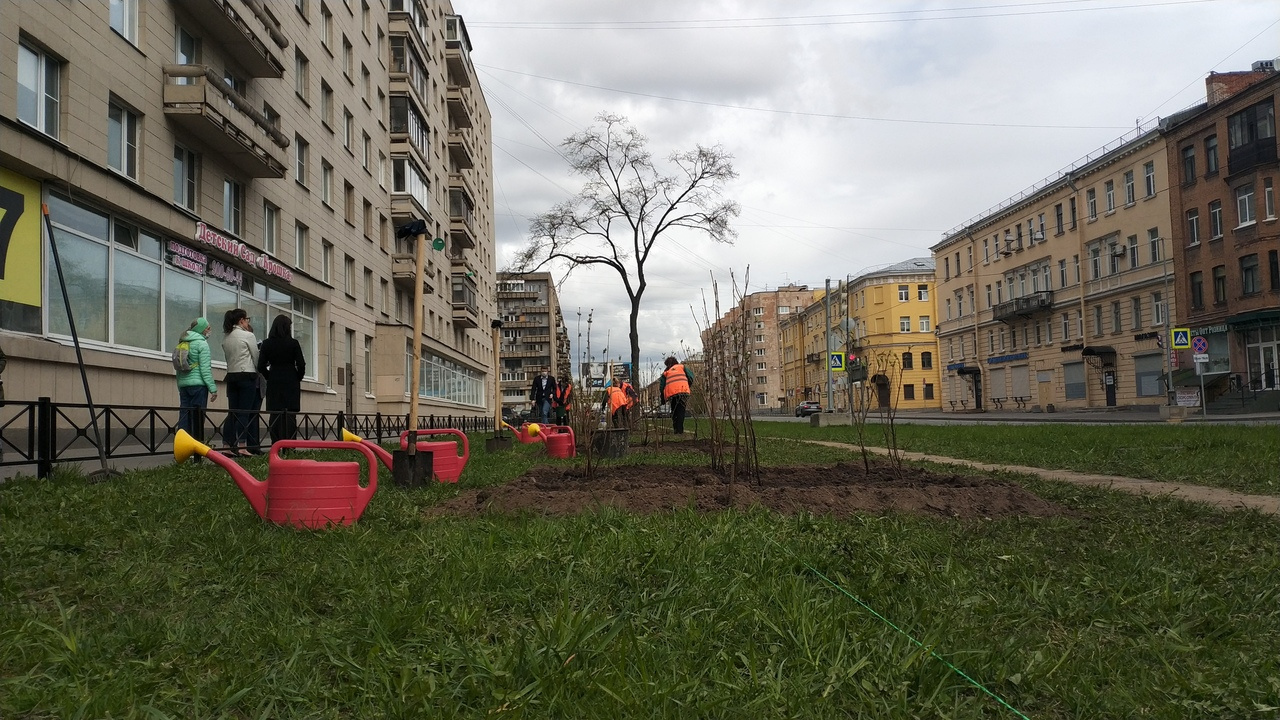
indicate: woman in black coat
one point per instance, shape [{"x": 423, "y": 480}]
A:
[{"x": 281, "y": 362}]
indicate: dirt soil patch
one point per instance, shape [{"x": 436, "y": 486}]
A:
[{"x": 839, "y": 490}]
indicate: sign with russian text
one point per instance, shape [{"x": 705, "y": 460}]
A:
[{"x": 243, "y": 252}]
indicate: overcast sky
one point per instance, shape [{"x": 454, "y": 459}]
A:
[{"x": 861, "y": 131}]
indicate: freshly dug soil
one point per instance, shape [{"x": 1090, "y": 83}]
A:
[{"x": 839, "y": 490}]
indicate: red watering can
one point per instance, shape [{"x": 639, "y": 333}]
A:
[
  {"x": 560, "y": 441},
  {"x": 529, "y": 433},
  {"x": 301, "y": 493},
  {"x": 446, "y": 461}
]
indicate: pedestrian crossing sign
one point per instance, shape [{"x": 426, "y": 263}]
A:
[
  {"x": 837, "y": 361},
  {"x": 1181, "y": 338}
]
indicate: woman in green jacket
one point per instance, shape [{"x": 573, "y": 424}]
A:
[{"x": 196, "y": 386}]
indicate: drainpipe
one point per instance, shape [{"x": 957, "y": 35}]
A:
[{"x": 1075, "y": 195}]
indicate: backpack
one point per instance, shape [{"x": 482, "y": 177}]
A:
[{"x": 182, "y": 357}]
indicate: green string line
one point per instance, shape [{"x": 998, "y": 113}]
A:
[{"x": 904, "y": 633}]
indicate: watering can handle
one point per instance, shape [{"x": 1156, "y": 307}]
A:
[
  {"x": 462, "y": 437},
  {"x": 363, "y": 494}
]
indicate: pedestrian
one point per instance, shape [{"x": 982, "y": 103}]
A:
[
  {"x": 281, "y": 362},
  {"x": 195, "y": 385},
  {"x": 240, "y": 346},
  {"x": 617, "y": 404},
  {"x": 544, "y": 388},
  {"x": 562, "y": 400},
  {"x": 674, "y": 386}
]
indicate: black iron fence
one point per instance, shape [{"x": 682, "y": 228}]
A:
[{"x": 42, "y": 432}]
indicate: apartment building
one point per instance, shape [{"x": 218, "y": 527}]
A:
[
  {"x": 766, "y": 310},
  {"x": 203, "y": 155},
  {"x": 1226, "y": 239},
  {"x": 1061, "y": 295},
  {"x": 804, "y": 338},
  {"x": 534, "y": 336},
  {"x": 890, "y": 330}
]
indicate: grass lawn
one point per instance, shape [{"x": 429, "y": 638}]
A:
[
  {"x": 161, "y": 594},
  {"x": 1245, "y": 458}
]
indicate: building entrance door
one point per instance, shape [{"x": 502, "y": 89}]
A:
[{"x": 1267, "y": 355}]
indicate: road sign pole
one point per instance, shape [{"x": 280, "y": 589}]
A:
[{"x": 1204, "y": 402}]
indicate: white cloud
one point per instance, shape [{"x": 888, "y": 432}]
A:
[{"x": 830, "y": 196}]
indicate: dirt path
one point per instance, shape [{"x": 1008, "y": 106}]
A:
[{"x": 1217, "y": 497}]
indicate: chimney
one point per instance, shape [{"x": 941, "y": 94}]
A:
[{"x": 1220, "y": 87}]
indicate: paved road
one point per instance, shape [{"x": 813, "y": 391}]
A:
[{"x": 1085, "y": 417}]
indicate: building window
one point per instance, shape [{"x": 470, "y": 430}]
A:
[
  {"x": 348, "y": 125},
  {"x": 1193, "y": 227},
  {"x": 946, "y": 268},
  {"x": 908, "y": 392},
  {"x": 1157, "y": 308},
  {"x": 757, "y": 311},
  {"x": 1215, "y": 220},
  {"x": 1211, "y": 155},
  {"x": 124, "y": 19},
  {"x": 928, "y": 391},
  {"x": 186, "y": 175},
  {"x": 301, "y": 245},
  {"x": 122, "y": 140},
  {"x": 1219, "y": 284},
  {"x": 1250, "y": 282},
  {"x": 1197, "y": 290},
  {"x": 1149, "y": 174},
  {"x": 301, "y": 76},
  {"x": 922, "y": 293},
  {"x": 326, "y": 182},
  {"x": 1057, "y": 217},
  {"x": 366, "y": 151},
  {"x": 904, "y": 324},
  {"x": 1110, "y": 192},
  {"x": 1246, "y": 131},
  {"x": 347, "y": 58},
  {"x": 1072, "y": 203},
  {"x": 270, "y": 228},
  {"x": 1097, "y": 320},
  {"x": 1153, "y": 245},
  {"x": 762, "y": 379},
  {"x": 326, "y": 104},
  {"x": 349, "y": 203},
  {"x": 39, "y": 89},
  {"x": 1244, "y": 204},
  {"x": 924, "y": 324},
  {"x": 349, "y": 275},
  {"x": 1073, "y": 380},
  {"x": 926, "y": 361},
  {"x": 368, "y": 287},
  {"x": 1095, "y": 261},
  {"x": 1091, "y": 203},
  {"x": 1273, "y": 262},
  {"x": 232, "y": 206},
  {"x": 908, "y": 362},
  {"x": 301, "y": 151},
  {"x": 904, "y": 293},
  {"x": 1115, "y": 317},
  {"x": 949, "y": 315},
  {"x": 368, "y": 220},
  {"x": 1269, "y": 198},
  {"x": 1128, "y": 188},
  {"x": 384, "y": 297},
  {"x": 1133, "y": 251},
  {"x": 326, "y": 262},
  {"x": 1066, "y": 326},
  {"x": 1189, "y": 164},
  {"x": 1137, "y": 313}
]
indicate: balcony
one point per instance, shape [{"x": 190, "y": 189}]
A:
[
  {"x": 461, "y": 214},
  {"x": 403, "y": 273},
  {"x": 813, "y": 358},
  {"x": 222, "y": 24},
  {"x": 223, "y": 120},
  {"x": 460, "y": 150},
  {"x": 1250, "y": 155},
  {"x": 1026, "y": 306},
  {"x": 459, "y": 112},
  {"x": 466, "y": 311},
  {"x": 457, "y": 51}
]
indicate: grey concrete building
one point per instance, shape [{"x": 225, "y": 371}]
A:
[{"x": 534, "y": 336}]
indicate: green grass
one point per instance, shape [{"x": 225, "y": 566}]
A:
[
  {"x": 1245, "y": 458},
  {"x": 160, "y": 594}
]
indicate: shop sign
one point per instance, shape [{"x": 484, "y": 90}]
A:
[
  {"x": 1209, "y": 330},
  {"x": 243, "y": 252},
  {"x": 1007, "y": 358},
  {"x": 198, "y": 263}
]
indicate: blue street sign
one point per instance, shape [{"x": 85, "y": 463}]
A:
[
  {"x": 837, "y": 361},
  {"x": 1181, "y": 338}
]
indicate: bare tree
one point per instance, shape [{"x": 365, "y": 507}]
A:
[{"x": 627, "y": 204}]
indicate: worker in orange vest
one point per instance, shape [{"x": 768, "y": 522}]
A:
[
  {"x": 561, "y": 400},
  {"x": 617, "y": 403},
  {"x": 675, "y": 385}
]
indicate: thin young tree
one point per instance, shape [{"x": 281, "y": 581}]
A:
[{"x": 627, "y": 205}]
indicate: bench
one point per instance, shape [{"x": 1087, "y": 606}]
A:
[
  {"x": 999, "y": 402},
  {"x": 964, "y": 404},
  {"x": 1022, "y": 401}
]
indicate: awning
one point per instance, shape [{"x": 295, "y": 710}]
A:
[
  {"x": 1097, "y": 351},
  {"x": 969, "y": 370},
  {"x": 1257, "y": 317}
]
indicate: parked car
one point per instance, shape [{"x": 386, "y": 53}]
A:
[{"x": 808, "y": 407}]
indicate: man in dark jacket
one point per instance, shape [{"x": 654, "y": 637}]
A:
[{"x": 544, "y": 388}]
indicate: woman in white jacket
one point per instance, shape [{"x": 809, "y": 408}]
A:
[{"x": 240, "y": 346}]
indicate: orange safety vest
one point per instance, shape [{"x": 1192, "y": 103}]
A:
[
  {"x": 676, "y": 381},
  {"x": 617, "y": 399},
  {"x": 563, "y": 393}
]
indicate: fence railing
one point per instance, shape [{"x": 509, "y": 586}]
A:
[{"x": 41, "y": 432}]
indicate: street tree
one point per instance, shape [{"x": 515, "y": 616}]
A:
[{"x": 627, "y": 204}]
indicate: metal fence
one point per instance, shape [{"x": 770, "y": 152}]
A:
[{"x": 41, "y": 432}]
